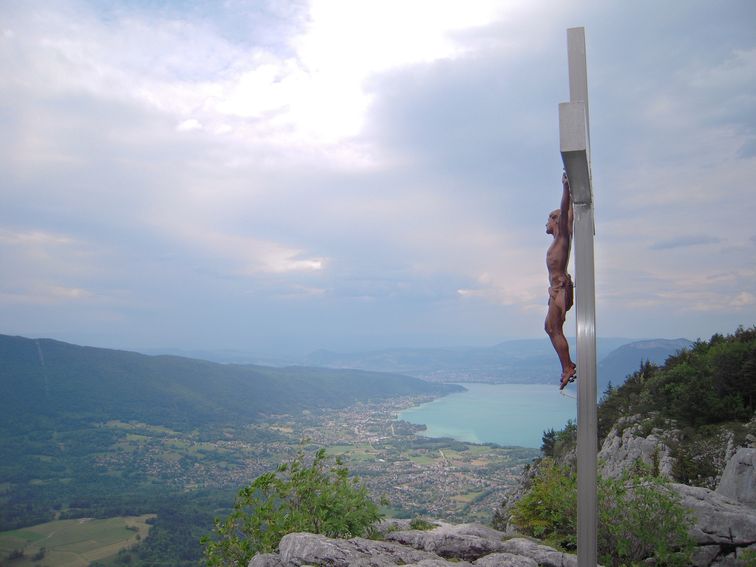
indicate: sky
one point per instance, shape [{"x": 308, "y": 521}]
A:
[{"x": 285, "y": 176}]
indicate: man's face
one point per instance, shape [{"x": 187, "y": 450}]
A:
[{"x": 552, "y": 222}]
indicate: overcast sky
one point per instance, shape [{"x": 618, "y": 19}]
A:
[{"x": 286, "y": 176}]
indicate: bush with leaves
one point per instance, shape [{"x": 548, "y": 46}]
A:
[
  {"x": 548, "y": 510},
  {"x": 422, "y": 524},
  {"x": 318, "y": 498},
  {"x": 639, "y": 516}
]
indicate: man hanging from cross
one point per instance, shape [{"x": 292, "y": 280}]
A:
[{"x": 560, "y": 283}]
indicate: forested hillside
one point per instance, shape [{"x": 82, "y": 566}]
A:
[
  {"x": 710, "y": 383},
  {"x": 621, "y": 362},
  {"x": 699, "y": 393},
  {"x": 675, "y": 423},
  {"x": 45, "y": 380},
  {"x": 90, "y": 432}
]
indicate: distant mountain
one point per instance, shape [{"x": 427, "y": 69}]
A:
[
  {"x": 625, "y": 360},
  {"x": 516, "y": 362},
  {"x": 226, "y": 356},
  {"x": 47, "y": 379},
  {"x": 529, "y": 361}
]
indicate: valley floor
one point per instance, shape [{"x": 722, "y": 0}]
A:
[
  {"x": 118, "y": 469},
  {"x": 417, "y": 475}
]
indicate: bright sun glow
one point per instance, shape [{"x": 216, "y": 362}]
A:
[{"x": 319, "y": 95}]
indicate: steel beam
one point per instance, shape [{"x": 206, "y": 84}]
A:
[{"x": 574, "y": 141}]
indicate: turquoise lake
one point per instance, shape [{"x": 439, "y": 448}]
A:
[{"x": 506, "y": 414}]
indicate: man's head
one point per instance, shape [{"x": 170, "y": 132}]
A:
[{"x": 552, "y": 225}]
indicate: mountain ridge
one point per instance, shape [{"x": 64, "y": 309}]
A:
[
  {"x": 54, "y": 378},
  {"x": 515, "y": 361}
]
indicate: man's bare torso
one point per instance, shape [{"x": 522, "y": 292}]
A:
[{"x": 557, "y": 257}]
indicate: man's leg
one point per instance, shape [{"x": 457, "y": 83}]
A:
[{"x": 554, "y": 323}]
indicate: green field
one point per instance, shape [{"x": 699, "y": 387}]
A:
[
  {"x": 72, "y": 543},
  {"x": 359, "y": 452}
]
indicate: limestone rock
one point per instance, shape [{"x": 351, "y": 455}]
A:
[
  {"x": 705, "y": 555},
  {"x": 541, "y": 554},
  {"x": 463, "y": 541},
  {"x": 718, "y": 520},
  {"x": 620, "y": 451},
  {"x": 266, "y": 560},
  {"x": 303, "y": 548},
  {"x": 738, "y": 479},
  {"x": 459, "y": 544},
  {"x": 438, "y": 563},
  {"x": 389, "y": 525},
  {"x": 505, "y": 560}
]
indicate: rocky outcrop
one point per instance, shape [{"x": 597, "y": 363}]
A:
[
  {"x": 464, "y": 541},
  {"x": 447, "y": 545},
  {"x": 718, "y": 519},
  {"x": 541, "y": 554},
  {"x": 723, "y": 529},
  {"x": 311, "y": 549},
  {"x": 625, "y": 445},
  {"x": 724, "y": 524},
  {"x": 738, "y": 479},
  {"x": 506, "y": 560}
]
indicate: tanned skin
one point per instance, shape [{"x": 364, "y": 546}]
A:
[{"x": 559, "y": 226}]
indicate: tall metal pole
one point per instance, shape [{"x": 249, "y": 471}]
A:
[{"x": 574, "y": 141}]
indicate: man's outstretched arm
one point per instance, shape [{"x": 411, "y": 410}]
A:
[{"x": 565, "y": 217}]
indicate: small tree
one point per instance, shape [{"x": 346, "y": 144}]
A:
[
  {"x": 548, "y": 439},
  {"x": 317, "y": 498}
]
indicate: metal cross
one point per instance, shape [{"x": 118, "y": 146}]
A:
[{"x": 575, "y": 147}]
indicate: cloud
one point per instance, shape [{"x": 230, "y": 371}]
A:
[
  {"x": 45, "y": 295},
  {"x": 34, "y": 238},
  {"x": 684, "y": 241},
  {"x": 188, "y": 167},
  {"x": 188, "y": 125},
  {"x": 49, "y": 269}
]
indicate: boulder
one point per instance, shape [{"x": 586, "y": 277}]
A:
[
  {"x": 458, "y": 543},
  {"x": 266, "y": 560},
  {"x": 505, "y": 560},
  {"x": 388, "y": 525},
  {"x": 304, "y": 549},
  {"x": 705, "y": 555},
  {"x": 718, "y": 520},
  {"x": 738, "y": 479},
  {"x": 723, "y": 529},
  {"x": 462, "y": 541},
  {"x": 542, "y": 554}
]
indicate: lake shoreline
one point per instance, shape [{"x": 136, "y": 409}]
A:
[{"x": 507, "y": 415}]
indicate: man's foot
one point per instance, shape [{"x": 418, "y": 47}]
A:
[{"x": 568, "y": 376}]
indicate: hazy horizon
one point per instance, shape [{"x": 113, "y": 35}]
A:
[{"x": 284, "y": 355}]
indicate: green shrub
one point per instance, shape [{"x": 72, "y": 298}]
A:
[
  {"x": 639, "y": 516},
  {"x": 422, "y": 524},
  {"x": 548, "y": 510},
  {"x": 748, "y": 557},
  {"x": 318, "y": 498}
]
